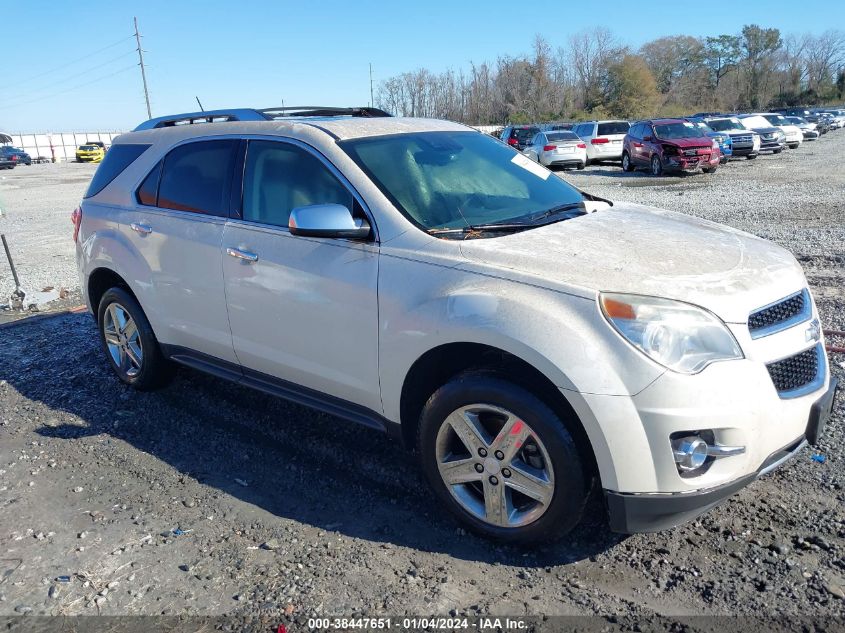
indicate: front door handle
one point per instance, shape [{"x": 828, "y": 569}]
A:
[
  {"x": 143, "y": 229},
  {"x": 244, "y": 255}
]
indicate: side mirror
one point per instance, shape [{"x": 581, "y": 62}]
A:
[
  {"x": 647, "y": 137},
  {"x": 327, "y": 220}
]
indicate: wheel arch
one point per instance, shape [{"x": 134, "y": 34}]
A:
[{"x": 440, "y": 364}]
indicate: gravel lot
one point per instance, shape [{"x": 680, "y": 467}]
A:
[{"x": 206, "y": 498}]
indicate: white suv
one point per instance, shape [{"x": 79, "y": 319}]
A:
[
  {"x": 419, "y": 277},
  {"x": 603, "y": 139}
]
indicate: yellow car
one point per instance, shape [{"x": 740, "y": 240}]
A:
[{"x": 90, "y": 153}]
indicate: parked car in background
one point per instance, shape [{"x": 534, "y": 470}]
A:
[
  {"x": 723, "y": 139},
  {"x": 557, "y": 148},
  {"x": 518, "y": 136},
  {"x": 704, "y": 115},
  {"x": 7, "y": 163},
  {"x": 807, "y": 129},
  {"x": 90, "y": 153},
  {"x": 533, "y": 343},
  {"x": 18, "y": 156},
  {"x": 603, "y": 139},
  {"x": 772, "y": 139},
  {"x": 669, "y": 145},
  {"x": 744, "y": 142},
  {"x": 835, "y": 117},
  {"x": 792, "y": 134}
]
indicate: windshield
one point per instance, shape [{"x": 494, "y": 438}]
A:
[
  {"x": 775, "y": 119},
  {"x": 723, "y": 125},
  {"x": 677, "y": 130},
  {"x": 88, "y": 148},
  {"x": 756, "y": 121},
  {"x": 443, "y": 180}
]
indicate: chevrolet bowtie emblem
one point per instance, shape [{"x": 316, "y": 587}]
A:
[{"x": 814, "y": 331}]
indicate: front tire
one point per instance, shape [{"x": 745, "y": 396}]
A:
[
  {"x": 501, "y": 460},
  {"x": 751, "y": 156},
  {"x": 777, "y": 151},
  {"x": 656, "y": 165},
  {"x": 129, "y": 342}
]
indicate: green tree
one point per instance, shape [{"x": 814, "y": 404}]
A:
[
  {"x": 631, "y": 88},
  {"x": 721, "y": 55},
  {"x": 758, "y": 48}
]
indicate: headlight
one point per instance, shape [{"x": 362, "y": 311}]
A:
[{"x": 680, "y": 336}]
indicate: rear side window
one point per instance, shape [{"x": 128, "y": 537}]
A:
[
  {"x": 614, "y": 127},
  {"x": 116, "y": 160},
  {"x": 148, "y": 191},
  {"x": 196, "y": 177},
  {"x": 280, "y": 177}
]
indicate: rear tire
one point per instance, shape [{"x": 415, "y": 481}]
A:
[
  {"x": 777, "y": 151},
  {"x": 503, "y": 437},
  {"x": 627, "y": 165},
  {"x": 129, "y": 342},
  {"x": 751, "y": 157},
  {"x": 794, "y": 145},
  {"x": 581, "y": 165}
]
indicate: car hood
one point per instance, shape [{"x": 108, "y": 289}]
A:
[
  {"x": 643, "y": 250},
  {"x": 766, "y": 130},
  {"x": 699, "y": 141}
]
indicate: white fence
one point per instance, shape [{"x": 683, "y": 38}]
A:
[{"x": 61, "y": 145}]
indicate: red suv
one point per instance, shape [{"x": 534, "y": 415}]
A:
[{"x": 669, "y": 145}]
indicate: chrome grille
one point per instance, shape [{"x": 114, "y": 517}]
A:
[
  {"x": 797, "y": 374},
  {"x": 780, "y": 315},
  {"x": 742, "y": 138}
]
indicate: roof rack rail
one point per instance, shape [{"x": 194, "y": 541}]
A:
[{"x": 251, "y": 114}]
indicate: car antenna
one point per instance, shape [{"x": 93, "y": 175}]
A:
[{"x": 200, "y": 104}]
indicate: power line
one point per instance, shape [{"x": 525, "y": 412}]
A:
[
  {"x": 77, "y": 60},
  {"x": 61, "y": 92},
  {"x": 79, "y": 74}
]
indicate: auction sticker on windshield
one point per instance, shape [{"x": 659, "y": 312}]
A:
[{"x": 529, "y": 165}]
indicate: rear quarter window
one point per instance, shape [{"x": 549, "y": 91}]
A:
[
  {"x": 118, "y": 159},
  {"x": 615, "y": 127}
]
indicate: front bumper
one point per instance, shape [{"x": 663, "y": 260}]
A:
[
  {"x": 684, "y": 163},
  {"x": 651, "y": 512}
]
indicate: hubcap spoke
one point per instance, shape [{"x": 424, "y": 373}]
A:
[
  {"x": 130, "y": 330},
  {"x": 459, "y": 471},
  {"x": 496, "y": 506},
  {"x": 466, "y": 426},
  {"x": 511, "y": 438},
  {"x": 530, "y": 482},
  {"x": 133, "y": 355}
]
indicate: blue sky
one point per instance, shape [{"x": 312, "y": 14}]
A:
[{"x": 258, "y": 54}]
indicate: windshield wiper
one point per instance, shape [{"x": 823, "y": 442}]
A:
[
  {"x": 504, "y": 227},
  {"x": 563, "y": 209}
]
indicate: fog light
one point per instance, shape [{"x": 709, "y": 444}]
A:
[{"x": 690, "y": 453}]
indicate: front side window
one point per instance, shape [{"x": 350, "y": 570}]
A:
[
  {"x": 196, "y": 176},
  {"x": 280, "y": 177},
  {"x": 445, "y": 180}
]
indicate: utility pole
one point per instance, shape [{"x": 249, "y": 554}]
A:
[
  {"x": 372, "y": 102},
  {"x": 143, "y": 72}
]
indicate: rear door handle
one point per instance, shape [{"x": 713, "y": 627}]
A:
[
  {"x": 143, "y": 229},
  {"x": 244, "y": 255}
]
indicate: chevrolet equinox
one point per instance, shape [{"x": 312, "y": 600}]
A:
[{"x": 527, "y": 339}]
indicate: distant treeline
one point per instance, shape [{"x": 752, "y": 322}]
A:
[{"x": 595, "y": 75}]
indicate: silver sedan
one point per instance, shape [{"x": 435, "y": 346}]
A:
[{"x": 557, "y": 149}]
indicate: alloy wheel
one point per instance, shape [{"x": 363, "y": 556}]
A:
[
  {"x": 123, "y": 339},
  {"x": 494, "y": 465}
]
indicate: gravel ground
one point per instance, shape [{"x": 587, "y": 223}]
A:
[{"x": 206, "y": 498}]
